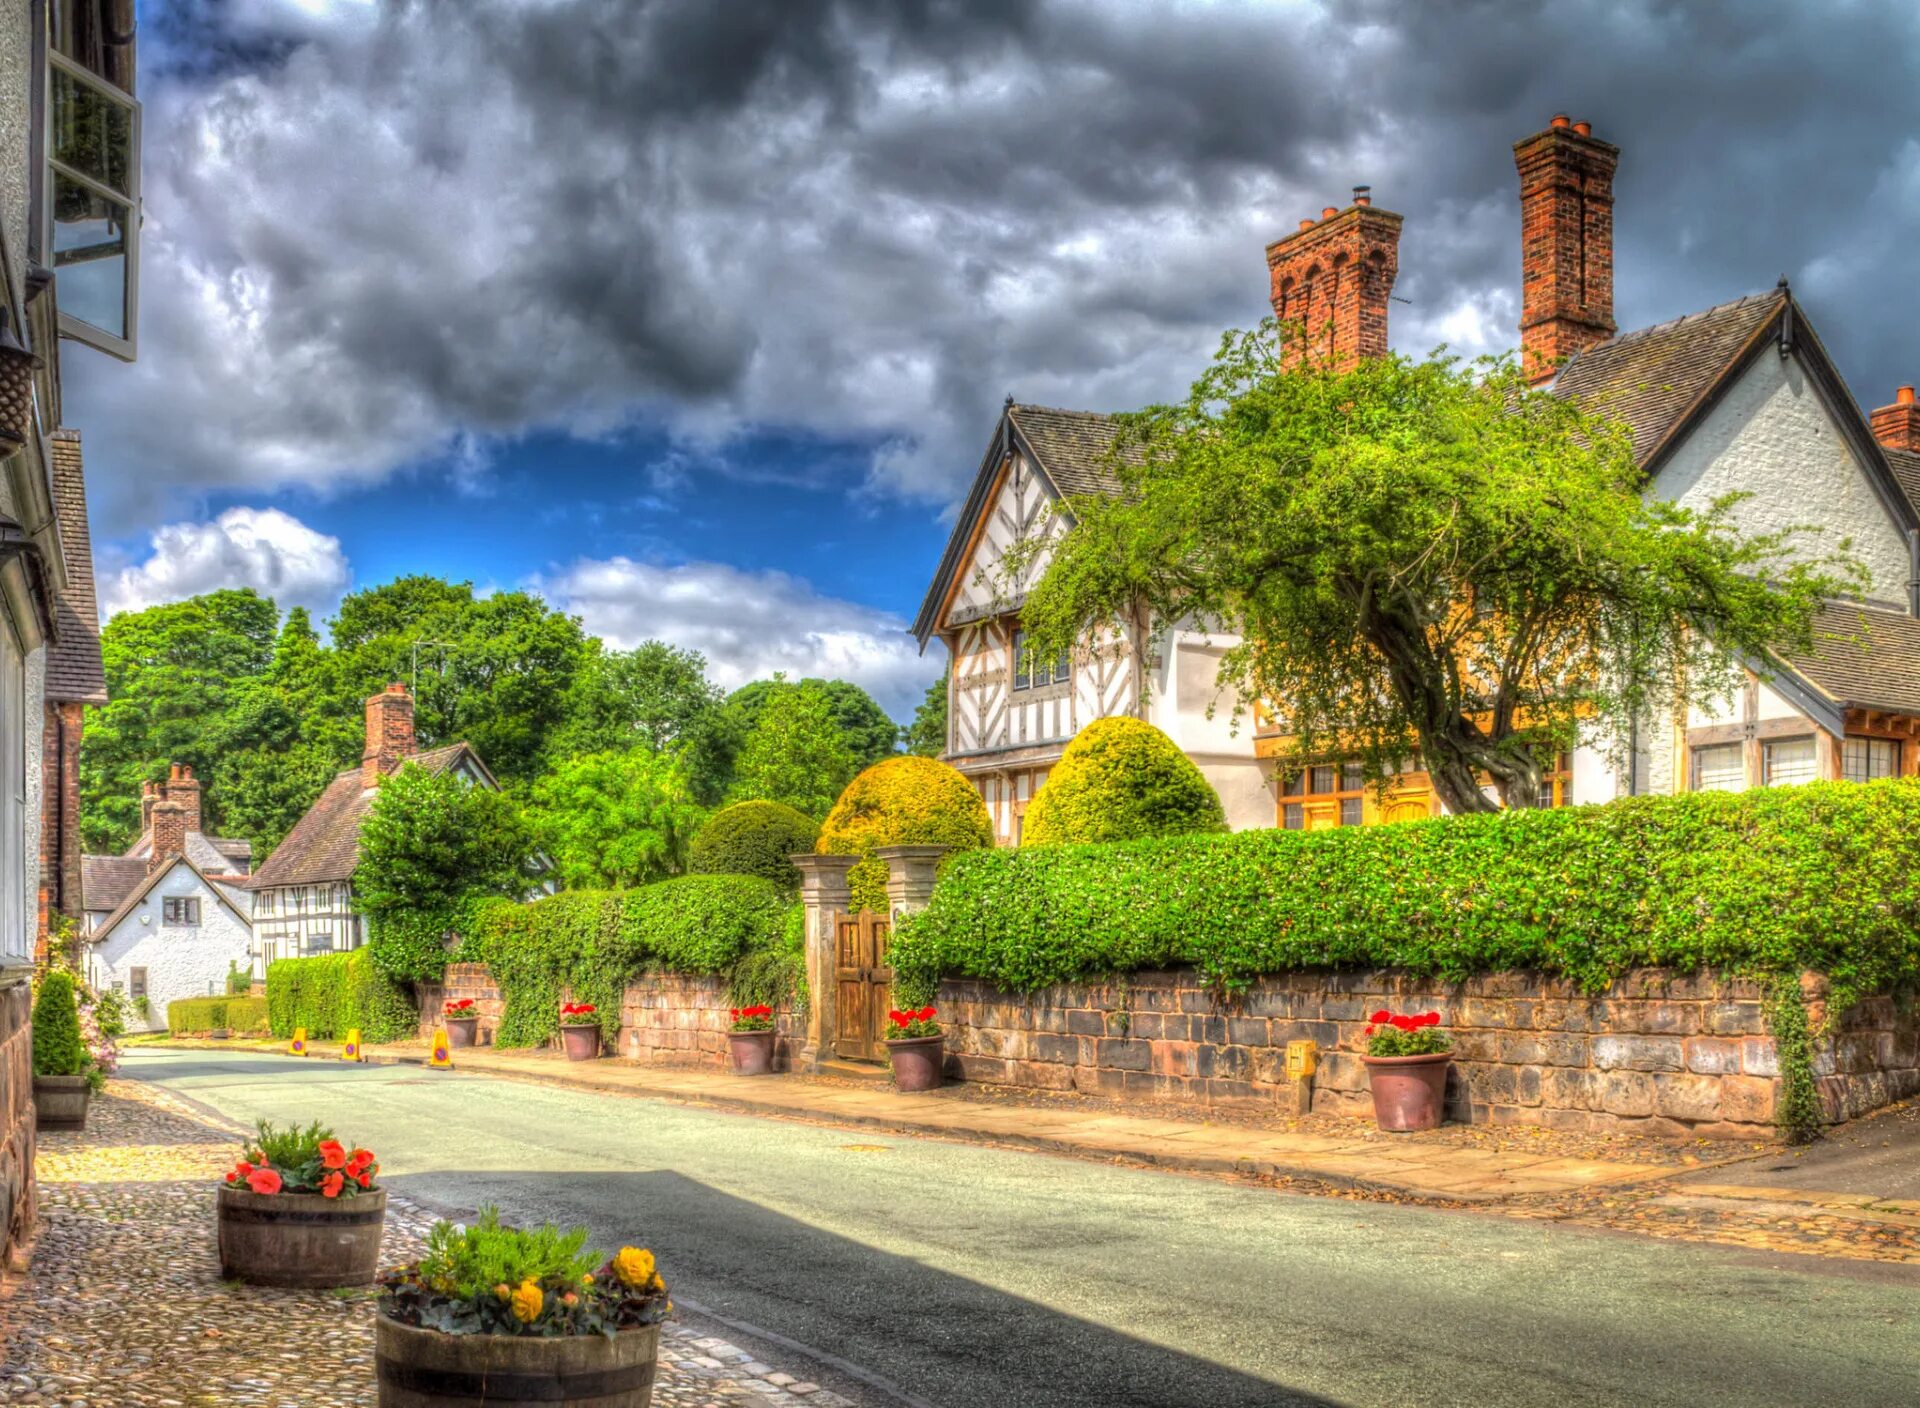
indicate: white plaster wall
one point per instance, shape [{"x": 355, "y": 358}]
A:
[
  {"x": 1245, "y": 788},
  {"x": 181, "y": 961},
  {"x": 1771, "y": 437},
  {"x": 16, "y": 51}
]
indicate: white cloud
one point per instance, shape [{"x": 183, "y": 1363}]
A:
[
  {"x": 747, "y": 624},
  {"x": 270, "y": 551}
]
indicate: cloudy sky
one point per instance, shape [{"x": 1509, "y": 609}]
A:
[{"x": 696, "y": 316}]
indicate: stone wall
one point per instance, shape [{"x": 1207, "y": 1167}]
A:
[
  {"x": 1657, "y": 1053},
  {"x": 16, "y": 1111}
]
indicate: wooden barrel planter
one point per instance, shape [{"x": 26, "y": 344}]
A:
[
  {"x": 428, "y": 1369},
  {"x": 301, "y": 1240},
  {"x": 60, "y": 1102}
]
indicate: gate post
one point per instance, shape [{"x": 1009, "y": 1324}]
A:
[
  {"x": 911, "y": 871},
  {"x": 825, "y": 895}
]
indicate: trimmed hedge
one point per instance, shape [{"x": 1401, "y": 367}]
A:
[
  {"x": 754, "y": 838},
  {"x": 1121, "y": 779},
  {"x": 332, "y": 993},
  {"x": 586, "y": 945},
  {"x": 1765, "y": 883},
  {"x": 57, "y": 1047},
  {"x": 188, "y": 1015},
  {"x": 902, "y": 801}
]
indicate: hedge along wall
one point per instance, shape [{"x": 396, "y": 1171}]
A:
[
  {"x": 243, "y": 1016},
  {"x": 333, "y": 993},
  {"x": 587, "y": 945},
  {"x": 1764, "y": 885}
]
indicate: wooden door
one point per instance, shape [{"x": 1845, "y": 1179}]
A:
[
  {"x": 1407, "y": 806},
  {"x": 862, "y": 981}
]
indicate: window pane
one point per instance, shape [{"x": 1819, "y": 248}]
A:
[
  {"x": 92, "y": 132},
  {"x": 98, "y": 35},
  {"x": 1719, "y": 768},
  {"x": 1863, "y": 759},
  {"x": 1789, "y": 761},
  {"x": 1352, "y": 777},
  {"x": 1322, "y": 779},
  {"x": 1022, "y": 675},
  {"x": 1293, "y": 816},
  {"x": 1350, "y": 811},
  {"x": 90, "y": 255},
  {"x": 1294, "y": 786}
]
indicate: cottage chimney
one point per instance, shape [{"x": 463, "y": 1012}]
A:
[
  {"x": 183, "y": 787},
  {"x": 1332, "y": 277},
  {"x": 389, "y": 733},
  {"x": 1566, "y": 244},
  {"x": 1898, "y": 426},
  {"x": 149, "y": 794},
  {"x": 169, "y": 833}
]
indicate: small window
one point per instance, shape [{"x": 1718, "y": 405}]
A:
[
  {"x": 1031, "y": 673},
  {"x": 136, "y": 983},
  {"x": 92, "y": 197},
  {"x": 1293, "y": 817},
  {"x": 1719, "y": 768},
  {"x": 180, "y": 909},
  {"x": 1788, "y": 761},
  {"x": 319, "y": 943},
  {"x": 1331, "y": 794},
  {"x": 1864, "y": 759},
  {"x": 1350, "y": 811},
  {"x": 1556, "y": 779}
]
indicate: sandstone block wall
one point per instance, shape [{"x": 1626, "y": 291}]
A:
[{"x": 16, "y": 1110}]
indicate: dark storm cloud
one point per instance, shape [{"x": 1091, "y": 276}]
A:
[{"x": 379, "y": 235}]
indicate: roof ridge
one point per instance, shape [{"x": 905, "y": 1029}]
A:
[
  {"x": 1062, "y": 410},
  {"x": 1635, "y": 334}
]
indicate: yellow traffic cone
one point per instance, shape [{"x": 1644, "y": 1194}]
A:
[
  {"x": 298, "y": 1046},
  {"x": 442, "y": 1057},
  {"x": 351, "y": 1051}
]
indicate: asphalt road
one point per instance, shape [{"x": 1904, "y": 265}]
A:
[{"x": 975, "y": 1278}]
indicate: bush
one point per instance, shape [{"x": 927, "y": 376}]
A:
[
  {"x": 754, "y": 838},
  {"x": 1764, "y": 883},
  {"x": 902, "y": 801},
  {"x": 239, "y": 981},
  {"x": 586, "y": 945},
  {"x": 1121, "y": 779},
  {"x": 57, "y": 1048},
  {"x": 189, "y": 1015},
  {"x": 331, "y": 994}
]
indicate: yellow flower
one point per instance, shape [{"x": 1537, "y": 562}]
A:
[
  {"x": 633, "y": 1266},
  {"x": 504, "y": 1291},
  {"x": 527, "y": 1302}
]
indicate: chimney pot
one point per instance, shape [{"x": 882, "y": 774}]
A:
[
  {"x": 1560, "y": 119},
  {"x": 1307, "y": 224},
  {"x": 1330, "y": 283},
  {"x": 1904, "y": 396},
  {"x": 1363, "y": 195},
  {"x": 1898, "y": 426},
  {"x": 183, "y": 787},
  {"x": 1566, "y": 244},
  {"x": 1585, "y": 129},
  {"x": 1328, "y": 212}
]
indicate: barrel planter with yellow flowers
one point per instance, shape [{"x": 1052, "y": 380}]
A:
[
  {"x": 557, "y": 1330},
  {"x": 301, "y": 1210}
]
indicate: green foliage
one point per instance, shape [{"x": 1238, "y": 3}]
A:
[
  {"x": 187, "y": 1015},
  {"x": 754, "y": 838},
  {"x": 926, "y": 736},
  {"x": 864, "y": 726},
  {"x": 332, "y": 993},
  {"x": 615, "y": 820},
  {"x": 1797, "y": 1111},
  {"x": 1770, "y": 881},
  {"x": 487, "y": 1254},
  {"x": 904, "y": 801},
  {"x": 1428, "y": 559},
  {"x": 777, "y": 975},
  {"x": 654, "y": 696},
  {"x": 291, "y": 1146},
  {"x": 110, "y": 1014},
  {"x": 57, "y": 1048},
  {"x": 586, "y": 945},
  {"x": 795, "y": 752},
  {"x": 430, "y": 843},
  {"x": 239, "y": 981},
  {"x": 1121, "y": 779}
]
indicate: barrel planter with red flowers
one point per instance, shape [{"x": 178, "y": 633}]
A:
[
  {"x": 1406, "y": 1060},
  {"x": 462, "y": 1022},
  {"x": 579, "y": 1031},
  {"x": 750, "y": 1040},
  {"x": 301, "y": 1210},
  {"x": 917, "y": 1049}
]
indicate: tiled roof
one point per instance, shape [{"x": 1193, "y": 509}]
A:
[
  {"x": 1905, "y": 465},
  {"x": 1652, "y": 377},
  {"x": 325, "y": 843},
  {"x": 1072, "y": 446},
  {"x": 74, "y": 671},
  {"x": 1864, "y": 657},
  {"x": 105, "y": 881}
]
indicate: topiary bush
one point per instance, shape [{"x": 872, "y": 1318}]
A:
[
  {"x": 754, "y": 838},
  {"x": 57, "y": 1047},
  {"x": 902, "y": 801},
  {"x": 1121, "y": 779},
  {"x": 332, "y": 993}
]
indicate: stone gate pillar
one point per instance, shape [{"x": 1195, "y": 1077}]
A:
[
  {"x": 823, "y": 894},
  {"x": 910, "y": 875}
]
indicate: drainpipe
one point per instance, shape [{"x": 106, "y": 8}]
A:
[{"x": 1913, "y": 571}]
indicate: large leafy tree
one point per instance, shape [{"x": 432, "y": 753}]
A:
[
  {"x": 1424, "y": 559},
  {"x": 615, "y": 820},
  {"x": 795, "y": 753},
  {"x": 926, "y": 736},
  {"x": 870, "y": 734},
  {"x": 654, "y": 696}
]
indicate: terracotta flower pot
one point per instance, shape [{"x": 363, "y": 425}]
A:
[
  {"x": 919, "y": 1063},
  {"x": 419, "y": 1368},
  {"x": 463, "y": 1031},
  {"x": 60, "y": 1102},
  {"x": 302, "y": 1240},
  {"x": 752, "y": 1052},
  {"x": 581, "y": 1043},
  {"x": 1409, "y": 1092}
]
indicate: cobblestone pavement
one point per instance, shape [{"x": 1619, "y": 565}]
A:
[{"x": 125, "y": 1308}]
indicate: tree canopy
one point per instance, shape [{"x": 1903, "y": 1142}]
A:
[
  {"x": 1424, "y": 559},
  {"x": 614, "y": 820},
  {"x": 795, "y": 752},
  {"x": 926, "y": 736}
]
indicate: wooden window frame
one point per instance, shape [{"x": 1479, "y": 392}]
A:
[
  {"x": 1556, "y": 782},
  {"x": 1766, "y": 759},
  {"x": 136, "y": 983},
  {"x": 1057, "y": 676},
  {"x": 180, "y": 911},
  {"x": 1300, "y": 789},
  {"x": 1899, "y": 754}
]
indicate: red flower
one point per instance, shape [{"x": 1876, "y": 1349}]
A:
[
  {"x": 243, "y": 1168},
  {"x": 734, "y": 1012},
  {"x": 761, "y": 1011},
  {"x": 1381, "y": 1016},
  {"x": 331, "y": 1185},
  {"x": 365, "y": 1180},
  {"x": 1368, "y": 1031},
  {"x": 897, "y": 1017},
  {"x": 233, "y": 1177},
  {"x": 1432, "y": 1019},
  {"x": 332, "y": 1154},
  {"x": 925, "y": 1014},
  {"x": 264, "y": 1180},
  {"x": 1405, "y": 1024}
]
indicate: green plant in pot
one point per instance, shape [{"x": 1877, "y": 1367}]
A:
[
  {"x": 917, "y": 1047},
  {"x": 580, "y": 1030},
  {"x": 750, "y": 1039},
  {"x": 1406, "y": 1059},
  {"x": 489, "y": 1306},
  {"x": 65, "y": 1075},
  {"x": 301, "y": 1209}
]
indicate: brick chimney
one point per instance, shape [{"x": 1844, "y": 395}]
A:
[
  {"x": 1566, "y": 243},
  {"x": 1898, "y": 426},
  {"x": 389, "y": 733},
  {"x": 1332, "y": 277},
  {"x": 149, "y": 794},
  {"x": 169, "y": 833},
  {"x": 183, "y": 787}
]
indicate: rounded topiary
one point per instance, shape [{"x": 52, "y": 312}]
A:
[
  {"x": 901, "y": 801},
  {"x": 1121, "y": 779},
  {"x": 754, "y": 838},
  {"x": 57, "y": 1048}
]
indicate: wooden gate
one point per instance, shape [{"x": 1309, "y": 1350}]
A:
[{"x": 861, "y": 982}]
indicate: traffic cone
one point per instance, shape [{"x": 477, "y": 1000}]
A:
[
  {"x": 351, "y": 1051},
  {"x": 442, "y": 1057},
  {"x": 298, "y": 1046}
]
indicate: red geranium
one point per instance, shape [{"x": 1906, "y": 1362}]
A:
[
  {"x": 333, "y": 1154},
  {"x": 575, "y": 1014},
  {"x": 1408, "y": 1035},
  {"x": 264, "y": 1180},
  {"x": 331, "y": 1185},
  {"x": 758, "y": 1018},
  {"x": 460, "y": 1008},
  {"x": 912, "y": 1023}
]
